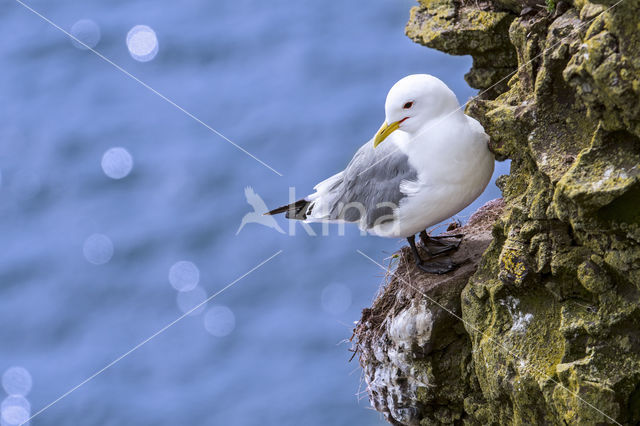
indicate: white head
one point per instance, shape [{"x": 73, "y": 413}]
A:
[{"x": 412, "y": 102}]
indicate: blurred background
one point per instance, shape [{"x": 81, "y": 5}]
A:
[{"x": 118, "y": 212}]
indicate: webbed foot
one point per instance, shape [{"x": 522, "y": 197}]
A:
[
  {"x": 441, "y": 243},
  {"x": 440, "y": 265}
]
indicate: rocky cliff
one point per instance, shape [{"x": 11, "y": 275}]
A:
[{"x": 542, "y": 327}]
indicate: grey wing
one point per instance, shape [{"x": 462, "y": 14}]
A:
[{"x": 370, "y": 185}]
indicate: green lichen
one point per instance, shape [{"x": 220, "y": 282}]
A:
[
  {"x": 564, "y": 105},
  {"x": 459, "y": 29},
  {"x": 551, "y": 5}
]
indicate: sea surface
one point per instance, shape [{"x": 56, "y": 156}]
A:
[{"x": 119, "y": 210}]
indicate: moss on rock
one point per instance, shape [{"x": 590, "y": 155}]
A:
[
  {"x": 414, "y": 350},
  {"x": 552, "y": 313},
  {"x": 451, "y": 26}
]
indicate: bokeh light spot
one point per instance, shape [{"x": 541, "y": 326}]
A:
[
  {"x": 335, "y": 299},
  {"x": 17, "y": 381},
  {"x": 219, "y": 321},
  {"x": 14, "y": 415},
  {"x": 184, "y": 275},
  {"x": 15, "y": 410},
  {"x": 87, "y": 31},
  {"x": 188, "y": 300},
  {"x": 142, "y": 43},
  {"x": 117, "y": 163},
  {"x": 98, "y": 249}
]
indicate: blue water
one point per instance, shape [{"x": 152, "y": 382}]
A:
[{"x": 301, "y": 85}]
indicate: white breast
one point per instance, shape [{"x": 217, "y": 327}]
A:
[{"x": 454, "y": 167}]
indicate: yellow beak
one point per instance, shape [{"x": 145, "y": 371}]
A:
[{"x": 384, "y": 132}]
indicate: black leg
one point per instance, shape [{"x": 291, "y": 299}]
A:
[
  {"x": 424, "y": 237},
  {"x": 414, "y": 249},
  {"x": 432, "y": 266}
]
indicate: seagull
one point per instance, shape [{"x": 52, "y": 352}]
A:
[
  {"x": 257, "y": 215},
  {"x": 434, "y": 162}
]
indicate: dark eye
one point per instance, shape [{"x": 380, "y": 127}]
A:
[{"x": 408, "y": 105}]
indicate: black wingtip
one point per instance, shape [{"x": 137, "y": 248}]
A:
[
  {"x": 295, "y": 210},
  {"x": 277, "y": 211}
]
